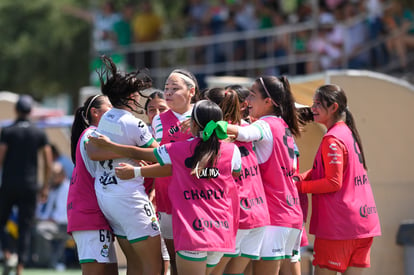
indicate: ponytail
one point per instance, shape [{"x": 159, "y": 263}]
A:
[
  {"x": 329, "y": 94},
  {"x": 229, "y": 102},
  {"x": 78, "y": 126},
  {"x": 278, "y": 90},
  {"x": 350, "y": 122},
  {"x": 83, "y": 119},
  {"x": 207, "y": 150}
]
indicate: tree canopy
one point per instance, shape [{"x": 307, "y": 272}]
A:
[{"x": 43, "y": 50}]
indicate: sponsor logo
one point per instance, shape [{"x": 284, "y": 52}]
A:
[
  {"x": 208, "y": 172},
  {"x": 202, "y": 224},
  {"x": 287, "y": 172},
  {"x": 141, "y": 124},
  {"x": 107, "y": 179},
  {"x": 291, "y": 200},
  {"x": 334, "y": 263},
  {"x": 173, "y": 130},
  {"x": 247, "y": 204},
  {"x": 365, "y": 211}
]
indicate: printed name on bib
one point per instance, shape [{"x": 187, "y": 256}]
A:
[
  {"x": 209, "y": 194},
  {"x": 251, "y": 171}
]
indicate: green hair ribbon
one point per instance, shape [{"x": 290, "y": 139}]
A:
[{"x": 220, "y": 127}]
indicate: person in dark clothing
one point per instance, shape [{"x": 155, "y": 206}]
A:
[{"x": 20, "y": 144}]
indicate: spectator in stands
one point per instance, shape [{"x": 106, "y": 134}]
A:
[
  {"x": 400, "y": 24},
  {"x": 281, "y": 44},
  {"x": 299, "y": 46},
  {"x": 289, "y": 9},
  {"x": 194, "y": 12},
  {"x": 53, "y": 218},
  {"x": 62, "y": 159},
  {"x": 217, "y": 15},
  {"x": 376, "y": 28},
  {"x": 230, "y": 51},
  {"x": 103, "y": 20},
  {"x": 246, "y": 17},
  {"x": 147, "y": 27},
  {"x": 328, "y": 54},
  {"x": 123, "y": 31},
  {"x": 334, "y": 4},
  {"x": 355, "y": 37},
  {"x": 122, "y": 28}
]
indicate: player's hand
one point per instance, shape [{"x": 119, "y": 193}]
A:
[
  {"x": 185, "y": 126},
  {"x": 125, "y": 171},
  {"x": 99, "y": 140}
]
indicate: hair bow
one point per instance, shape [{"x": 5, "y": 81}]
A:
[{"x": 220, "y": 127}]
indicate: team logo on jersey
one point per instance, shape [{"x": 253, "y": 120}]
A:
[
  {"x": 105, "y": 250},
  {"x": 333, "y": 146},
  {"x": 154, "y": 224}
]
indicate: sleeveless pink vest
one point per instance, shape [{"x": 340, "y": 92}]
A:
[
  {"x": 281, "y": 193},
  {"x": 205, "y": 212},
  {"x": 253, "y": 204},
  {"x": 349, "y": 213},
  {"x": 83, "y": 209},
  {"x": 171, "y": 133}
]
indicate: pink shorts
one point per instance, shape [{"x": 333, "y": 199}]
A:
[{"x": 338, "y": 255}]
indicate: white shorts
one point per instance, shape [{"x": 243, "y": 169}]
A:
[
  {"x": 248, "y": 243},
  {"x": 278, "y": 242},
  {"x": 166, "y": 225},
  {"x": 296, "y": 248},
  {"x": 130, "y": 217},
  {"x": 95, "y": 246},
  {"x": 212, "y": 258}
]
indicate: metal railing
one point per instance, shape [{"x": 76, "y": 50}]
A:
[{"x": 246, "y": 54}]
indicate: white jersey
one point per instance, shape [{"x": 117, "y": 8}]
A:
[
  {"x": 89, "y": 164},
  {"x": 157, "y": 126},
  {"x": 260, "y": 134},
  {"x": 121, "y": 127}
]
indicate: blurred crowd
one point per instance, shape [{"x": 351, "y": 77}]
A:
[{"x": 344, "y": 30}]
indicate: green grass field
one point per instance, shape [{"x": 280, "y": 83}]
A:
[{"x": 38, "y": 271}]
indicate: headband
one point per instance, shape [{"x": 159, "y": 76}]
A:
[
  {"x": 85, "y": 113},
  {"x": 220, "y": 127},
  {"x": 267, "y": 92},
  {"x": 90, "y": 103},
  {"x": 195, "y": 114},
  {"x": 185, "y": 78}
]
